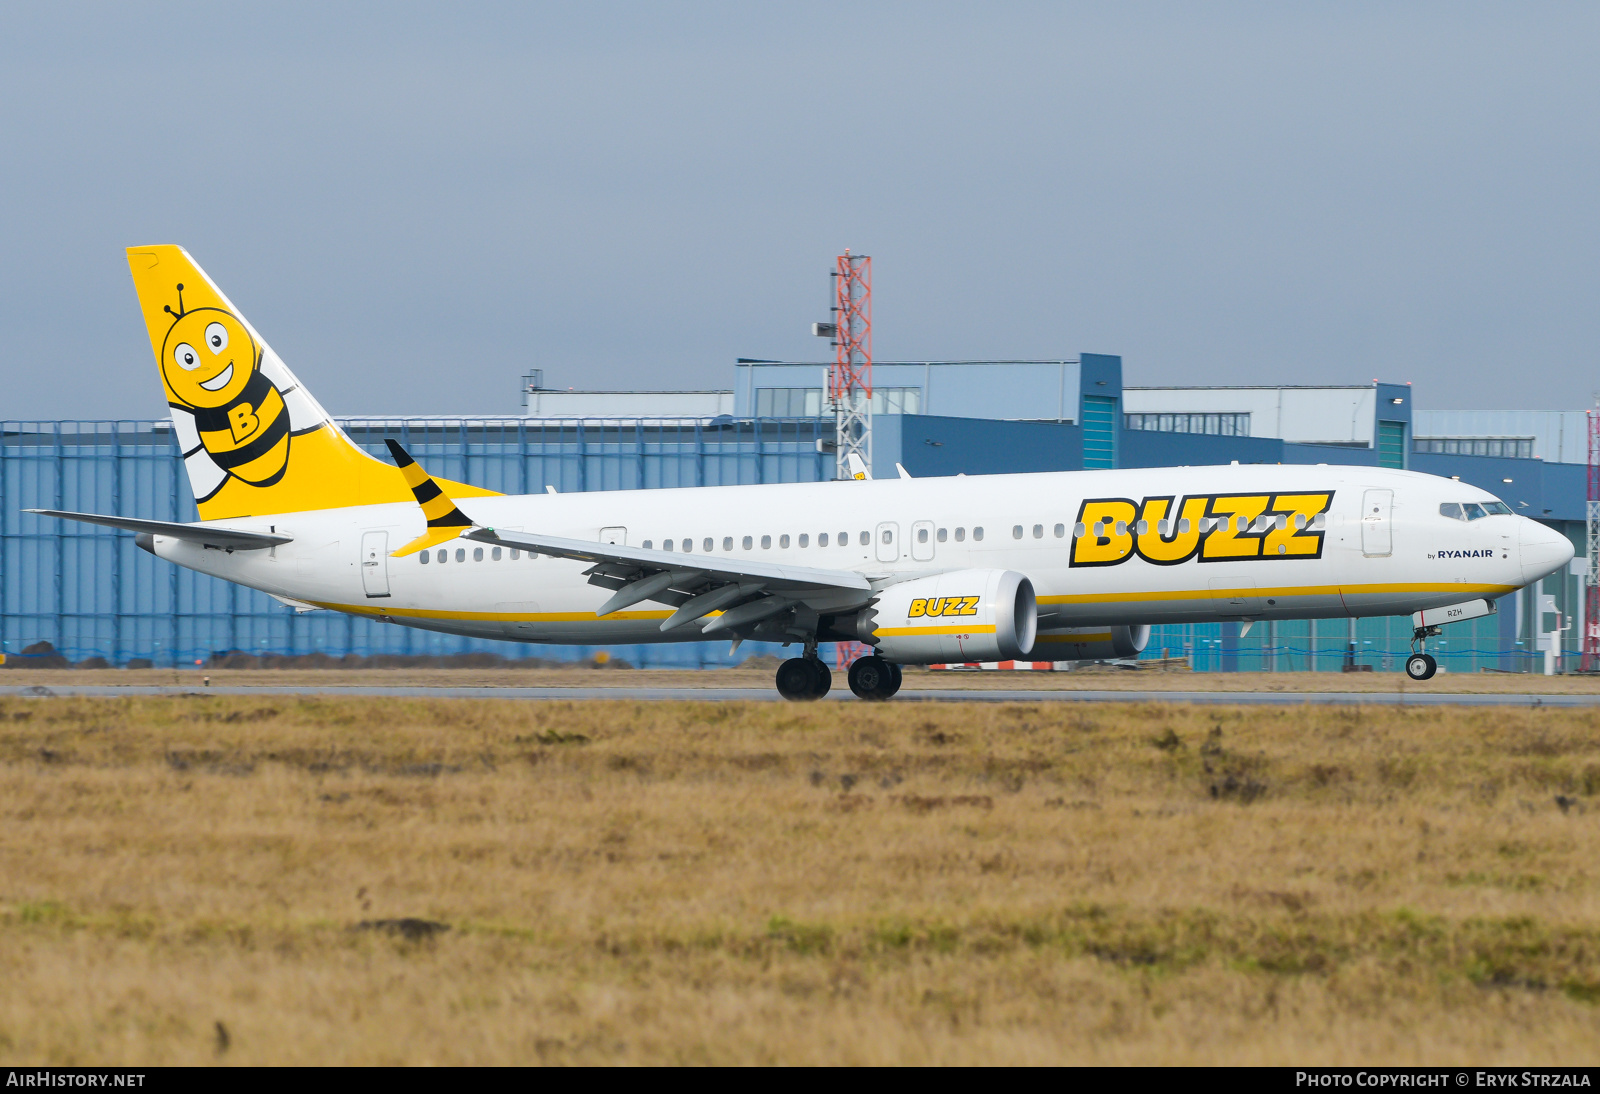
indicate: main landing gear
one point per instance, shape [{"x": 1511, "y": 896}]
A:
[
  {"x": 1421, "y": 666},
  {"x": 874, "y": 679},
  {"x": 804, "y": 678},
  {"x": 801, "y": 679}
]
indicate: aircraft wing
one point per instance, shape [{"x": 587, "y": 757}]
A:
[
  {"x": 745, "y": 590},
  {"x": 226, "y": 539}
]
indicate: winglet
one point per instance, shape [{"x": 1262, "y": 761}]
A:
[
  {"x": 445, "y": 521},
  {"x": 858, "y": 467}
]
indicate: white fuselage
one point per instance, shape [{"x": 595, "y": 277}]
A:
[{"x": 1401, "y": 559}]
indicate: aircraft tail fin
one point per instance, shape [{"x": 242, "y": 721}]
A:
[
  {"x": 254, "y": 440},
  {"x": 445, "y": 520}
]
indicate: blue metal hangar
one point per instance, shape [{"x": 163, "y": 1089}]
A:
[{"x": 97, "y": 599}]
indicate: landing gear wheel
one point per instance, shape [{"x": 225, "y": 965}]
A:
[
  {"x": 874, "y": 679},
  {"x": 823, "y": 674},
  {"x": 798, "y": 681},
  {"x": 1420, "y": 666}
]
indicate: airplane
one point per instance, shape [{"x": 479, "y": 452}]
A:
[{"x": 1058, "y": 566}]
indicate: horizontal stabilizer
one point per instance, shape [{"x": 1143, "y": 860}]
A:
[{"x": 225, "y": 539}]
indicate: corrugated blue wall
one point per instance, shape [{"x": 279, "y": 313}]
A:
[{"x": 91, "y": 593}]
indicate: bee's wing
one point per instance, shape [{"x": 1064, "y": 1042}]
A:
[
  {"x": 205, "y": 476},
  {"x": 305, "y": 413}
]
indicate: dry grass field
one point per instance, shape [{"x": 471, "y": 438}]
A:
[
  {"x": 759, "y": 674},
  {"x": 313, "y": 880}
]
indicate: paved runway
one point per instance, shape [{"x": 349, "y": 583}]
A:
[{"x": 1268, "y": 698}]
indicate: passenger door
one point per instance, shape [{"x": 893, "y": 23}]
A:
[
  {"x": 888, "y": 538},
  {"x": 922, "y": 541},
  {"x": 375, "y": 563},
  {"x": 1377, "y": 538}
]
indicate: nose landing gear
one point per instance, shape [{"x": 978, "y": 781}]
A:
[{"x": 1421, "y": 666}]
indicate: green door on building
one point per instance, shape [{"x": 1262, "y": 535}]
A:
[
  {"x": 1392, "y": 444},
  {"x": 1099, "y": 431}
]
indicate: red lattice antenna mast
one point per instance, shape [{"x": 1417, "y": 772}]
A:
[{"x": 850, "y": 379}]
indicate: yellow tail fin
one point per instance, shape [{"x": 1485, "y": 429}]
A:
[{"x": 253, "y": 438}]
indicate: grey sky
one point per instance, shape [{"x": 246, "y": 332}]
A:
[{"x": 416, "y": 203}]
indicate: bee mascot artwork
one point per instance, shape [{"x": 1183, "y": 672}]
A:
[
  {"x": 212, "y": 368},
  {"x": 252, "y": 439}
]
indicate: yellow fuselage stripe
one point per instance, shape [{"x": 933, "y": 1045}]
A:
[
  {"x": 492, "y": 617},
  {"x": 920, "y": 632},
  {"x": 1292, "y": 590},
  {"x": 1089, "y": 598}
]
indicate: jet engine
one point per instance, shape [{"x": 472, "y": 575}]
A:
[
  {"x": 1090, "y": 643},
  {"x": 965, "y": 615}
]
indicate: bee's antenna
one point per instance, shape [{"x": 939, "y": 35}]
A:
[{"x": 168, "y": 308}]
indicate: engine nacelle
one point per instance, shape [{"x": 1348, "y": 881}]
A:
[
  {"x": 965, "y": 615},
  {"x": 1090, "y": 643}
]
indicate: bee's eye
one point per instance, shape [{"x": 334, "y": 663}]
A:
[
  {"x": 217, "y": 337},
  {"x": 185, "y": 357}
]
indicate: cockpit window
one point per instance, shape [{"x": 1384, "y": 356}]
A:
[{"x": 1471, "y": 510}]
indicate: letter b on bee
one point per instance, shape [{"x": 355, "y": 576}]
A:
[{"x": 243, "y": 421}]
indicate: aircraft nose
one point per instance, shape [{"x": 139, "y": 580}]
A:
[{"x": 1543, "y": 549}]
